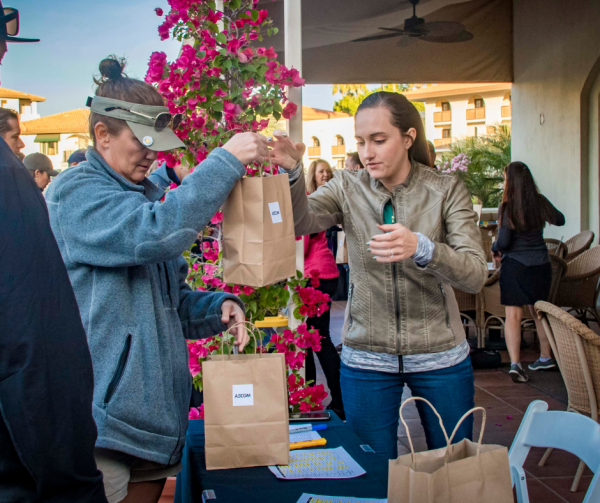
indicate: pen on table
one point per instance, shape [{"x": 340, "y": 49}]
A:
[
  {"x": 316, "y": 427},
  {"x": 308, "y": 443}
]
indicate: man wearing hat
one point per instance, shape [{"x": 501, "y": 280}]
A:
[
  {"x": 76, "y": 157},
  {"x": 47, "y": 433},
  {"x": 41, "y": 168}
]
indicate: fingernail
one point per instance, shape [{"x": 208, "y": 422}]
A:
[
  {"x": 374, "y": 258},
  {"x": 368, "y": 242},
  {"x": 368, "y": 249},
  {"x": 284, "y": 134},
  {"x": 270, "y": 138}
]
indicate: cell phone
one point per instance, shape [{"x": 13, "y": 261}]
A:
[{"x": 310, "y": 416}]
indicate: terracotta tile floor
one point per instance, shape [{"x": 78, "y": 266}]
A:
[{"x": 505, "y": 403}]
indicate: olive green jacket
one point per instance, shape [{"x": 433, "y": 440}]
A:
[{"x": 400, "y": 308}]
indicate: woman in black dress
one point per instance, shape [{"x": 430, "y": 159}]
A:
[{"x": 526, "y": 271}]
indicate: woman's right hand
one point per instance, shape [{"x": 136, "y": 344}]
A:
[{"x": 248, "y": 147}]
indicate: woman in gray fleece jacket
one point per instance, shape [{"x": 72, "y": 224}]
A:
[{"x": 123, "y": 251}]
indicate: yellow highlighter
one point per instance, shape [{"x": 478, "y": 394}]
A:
[{"x": 308, "y": 443}]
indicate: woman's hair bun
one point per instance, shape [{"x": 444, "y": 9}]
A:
[{"x": 112, "y": 68}]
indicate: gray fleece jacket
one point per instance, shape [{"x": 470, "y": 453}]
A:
[{"x": 122, "y": 248}]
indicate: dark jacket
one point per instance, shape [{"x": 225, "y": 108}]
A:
[
  {"x": 163, "y": 177},
  {"x": 46, "y": 380}
]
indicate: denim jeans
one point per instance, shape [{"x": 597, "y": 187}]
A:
[{"x": 372, "y": 404}]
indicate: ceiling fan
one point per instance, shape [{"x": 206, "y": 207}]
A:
[{"x": 415, "y": 28}]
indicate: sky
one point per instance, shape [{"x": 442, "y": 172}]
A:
[{"x": 76, "y": 35}]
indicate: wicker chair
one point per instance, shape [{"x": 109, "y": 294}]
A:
[
  {"x": 556, "y": 247},
  {"x": 467, "y": 302},
  {"x": 578, "y": 244},
  {"x": 578, "y": 289},
  {"x": 577, "y": 351},
  {"x": 489, "y": 306}
]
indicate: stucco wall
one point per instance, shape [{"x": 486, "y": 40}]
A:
[{"x": 556, "y": 45}]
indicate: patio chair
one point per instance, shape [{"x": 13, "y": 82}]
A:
[
  {"x": 578, "y": 289},
  {"x": 556, "y": 247},
  {"x": 578, "y": 244},
  {"x": 577, "y": 351},
  {"x": 467, "y": 302},
  {"x": 573, "y": 433}
]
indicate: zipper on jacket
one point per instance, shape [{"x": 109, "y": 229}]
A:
[
  {"x": 394, "y": 279},
  {"x": 445, "y": 304},
  {"x": 114, "y": 383},
  {"x": 350, "y": 320}
]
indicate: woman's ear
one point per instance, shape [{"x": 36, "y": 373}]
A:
[
  {"x": 101, "y": 133},
  {"x": 409, "y": 137}
]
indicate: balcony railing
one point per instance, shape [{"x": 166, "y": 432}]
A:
[
  {"x": 338, "y": 150},
  {"x": 442, "y": 142},
  {"x": 314, "y": 151},
  {"x": 475, "y": 114},
  {"x": 445, "y": 116},
  {"x": 506, "y": 111}
]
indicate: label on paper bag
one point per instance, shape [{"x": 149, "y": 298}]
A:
[
  {"x": 275, "y": 213},
  {"x": 243, "y": 394}
]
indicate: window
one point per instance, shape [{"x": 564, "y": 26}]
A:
[
  {"x": 340, "y": 140},
  {"x": 479, "y": 103},
  {"x": 445, "y": 106},
  {"x": 49, "y": 148},
  {"x": 340, "y": 164},
  {"x": 446, "y": 133},
  {"x": 316, "y": 142}
]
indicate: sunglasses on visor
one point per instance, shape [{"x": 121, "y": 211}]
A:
[
  {"x": 161, "y": 121},
  {"x": 11, "y": 18}
]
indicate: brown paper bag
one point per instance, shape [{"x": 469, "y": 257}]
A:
[
  {"x": 246, "y": 417},
  {"x": 461, "y": 473},
  {"x": 259, "y": 245},
  {"x": 341, "y": 256}
]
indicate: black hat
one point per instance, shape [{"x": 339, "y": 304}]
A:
[{"x": 9, "y": 25}]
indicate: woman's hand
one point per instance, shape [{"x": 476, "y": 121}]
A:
[
  {"x": 398, "y": 243},
  {"x": 231, "y": 313},
  {"x": 248, "y": 148},
  {"x": 285, "y": 153}
]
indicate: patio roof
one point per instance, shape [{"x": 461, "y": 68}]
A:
[
  {"x": 73, "y": 121},
  {"x": 329, "y": 55}
]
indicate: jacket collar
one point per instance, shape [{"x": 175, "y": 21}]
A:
[
  {"x": 407, "y": 185},
  {"x": 146, "y": 187}
]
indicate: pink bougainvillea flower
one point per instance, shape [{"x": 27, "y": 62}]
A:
[
  {"x": 248, "y": 290},
  {"x": 159, "y": 11},
  {"x": 289, "y": 110},
  {"x": 217, "y": 218}
]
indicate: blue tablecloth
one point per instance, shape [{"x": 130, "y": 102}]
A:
[{"x": 260, "y": 485}]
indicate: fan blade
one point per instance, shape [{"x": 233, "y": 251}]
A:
[
  {"x": 379, "y": 37},
  {"x": 463, "y": 36},
  {"x": 406, "y": 40},
  {"x": 440, "y": 28},
  {"x": 393, "y": 29}
]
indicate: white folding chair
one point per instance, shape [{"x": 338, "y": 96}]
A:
[{"x": 570, "y": 432}]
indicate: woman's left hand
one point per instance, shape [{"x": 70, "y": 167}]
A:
[
  {"x": 398, "y": 243},
  {"x": 232, "y": 313},
  {"x": 285, "y": 153}
]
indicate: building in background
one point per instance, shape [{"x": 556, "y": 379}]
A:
[
  {"x": 457, "y": 111},
  {"x": 23, "y": 103},
  {"x": 57, "y": 136},
  {"x": 328, "y": 135}
]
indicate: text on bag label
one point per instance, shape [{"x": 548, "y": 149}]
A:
[
  {"x": 243, "y": 395},
  {"x": 275, "y": 213}
]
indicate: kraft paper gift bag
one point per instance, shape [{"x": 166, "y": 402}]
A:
[
  {"x": 465, "y": 472},
  {"x": 341, "y": 256},
  {"x": 259, "y": 246},
  {"x": 246, "y": 417}
]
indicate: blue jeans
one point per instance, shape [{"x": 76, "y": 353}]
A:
[{"x": 372, "y": 403}]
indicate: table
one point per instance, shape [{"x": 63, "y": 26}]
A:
[{"x": 260, "y": 485}]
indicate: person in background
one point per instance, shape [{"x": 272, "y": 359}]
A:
[
  {"x": 432, "y": 154},
  {"x": 319, "y": 261},
  {"x": 21, "y": 156},
  {"x": 123, "y": 249},
  {"x": 76, "y": 157},
  {"x": 164, "y": 176},
  {"x": 412, "y": 237},
  {"x": 47, "y": 432},
  {"x": 526, "y": 271},
  {"x": 353, "y": 161},
  {"x": 40, "y": 167},
  {"x": 10, "y": 128}
]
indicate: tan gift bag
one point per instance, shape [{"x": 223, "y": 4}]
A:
[
  {"x": 246, "y": 418},
  {"x": 341, "y": 256},
  {"x": 461, "y": 473},
  {"x": 259, "y": 246}
]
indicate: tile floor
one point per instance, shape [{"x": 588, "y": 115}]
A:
[{"x": 505, "y": 403}]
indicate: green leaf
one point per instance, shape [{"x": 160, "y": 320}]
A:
[
  {"x": 253, "y": 306},
  {"x": 221, "y": 38},
  {"x": 275, "y": 31},
  {"x": 227, "y": 64},
  {"x": 299, "y": 274},
  {"x": 254, "y": 14},
  {"x": 277, "y": 115},
  {"x": 235, "y": 4},
  {"x": 297, "y": 313}
]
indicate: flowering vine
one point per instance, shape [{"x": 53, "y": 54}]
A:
[{"x": 224, "y": 83}]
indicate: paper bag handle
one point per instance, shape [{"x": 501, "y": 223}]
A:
[
  {"x": 460, "y": 421},
  {"x": 414, "y": 399},
  {"x": 251, "y": 332}
]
